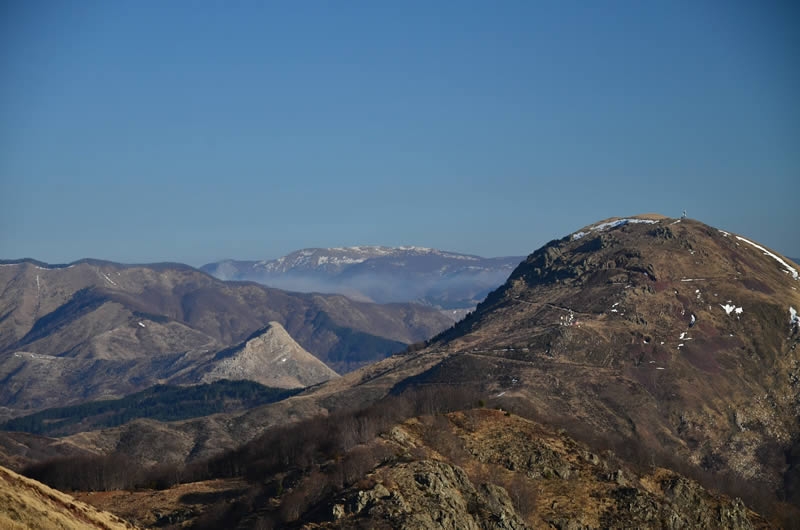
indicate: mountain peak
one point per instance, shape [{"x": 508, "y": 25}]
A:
[
  {"x": 643, "y": 256},
  {"x": 669, "y": 331},
  {"x": 271, "y": 357}
]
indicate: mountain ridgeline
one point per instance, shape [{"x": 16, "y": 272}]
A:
[{"x": 447, "y": 280}]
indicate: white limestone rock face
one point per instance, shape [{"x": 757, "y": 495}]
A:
[{"x": 270, "y": 357}]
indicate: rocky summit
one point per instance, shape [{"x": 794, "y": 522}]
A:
[{"x": 670, "y": 333}]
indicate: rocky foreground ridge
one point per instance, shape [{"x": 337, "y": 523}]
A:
[{"x": 476, "y": 469}]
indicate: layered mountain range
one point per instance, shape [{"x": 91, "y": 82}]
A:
[
  {"x": 97, "y": 329},
  {"x": 647, "y": 370},
  {"x": 447, "y": 280}
]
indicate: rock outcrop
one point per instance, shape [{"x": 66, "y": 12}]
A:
[
  {"x": 432, "y": 494},
  {"x": 270, "y": 357}
]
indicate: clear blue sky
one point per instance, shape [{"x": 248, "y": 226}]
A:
[{"x": 192, "y": 131}]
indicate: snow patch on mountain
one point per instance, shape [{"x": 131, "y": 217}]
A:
[
  {"x": 730, "y": 308},
  {"x": 611, "y": 224},
  {"x": 789, "y": 269}
]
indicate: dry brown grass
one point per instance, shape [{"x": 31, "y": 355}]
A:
[{"x": 28, "y": 505}]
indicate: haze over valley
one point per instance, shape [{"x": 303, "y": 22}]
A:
[{"x": 446, "y": 280}]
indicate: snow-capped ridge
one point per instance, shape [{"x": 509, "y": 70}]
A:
[
  {"x": 339, "y": 257},
  {"x": 382, "y": 274}
]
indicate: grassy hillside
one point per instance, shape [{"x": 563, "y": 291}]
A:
[{"x": 26, "y": 504}]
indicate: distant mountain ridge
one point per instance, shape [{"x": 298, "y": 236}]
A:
[
  {"x": 338, "y": 258},
  {"x": 448, "y": 280}
]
